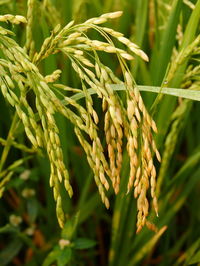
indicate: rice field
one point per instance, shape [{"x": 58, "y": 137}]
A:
[{"x": 99, "y": 132}]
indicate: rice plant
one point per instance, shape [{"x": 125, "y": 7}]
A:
[{"x": 94, "y": 93}]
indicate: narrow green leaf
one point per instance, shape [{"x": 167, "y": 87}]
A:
[
  {"x": 64, "y": 257},
  {"x": 191, "y": 26},
  {"x": 195, "y": 259},
  {"x": 147, "y": 247},
  {"x": 8, "y": 229},
  {"x": 70, "y": 227},
  {"x": 84, "y": 243},
  {"x": 52, "y": 256},
  {"x": 189, "y": 257},
  {"x": 183, "y": 93},
  {"x": 166, "y": 44},
  {"x": 140, "y": 21}
]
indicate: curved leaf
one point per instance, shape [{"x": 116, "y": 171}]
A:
[{"x": 183, "y": 93}]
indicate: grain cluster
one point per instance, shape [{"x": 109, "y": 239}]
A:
[{"x": 128, "y": 127}]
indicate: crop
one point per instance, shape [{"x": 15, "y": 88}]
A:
[{"x": 72, "y": 111}]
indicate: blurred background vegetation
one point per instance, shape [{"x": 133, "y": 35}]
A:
[{"x": 29, "y": 232}]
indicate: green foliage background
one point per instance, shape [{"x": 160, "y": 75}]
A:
[{"x": 92, "y": 234}]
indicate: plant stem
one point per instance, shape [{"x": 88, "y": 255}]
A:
[{"x": 9, "y": 140}]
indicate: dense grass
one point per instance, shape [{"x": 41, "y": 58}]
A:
[{"x": 93, "y": 235}]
